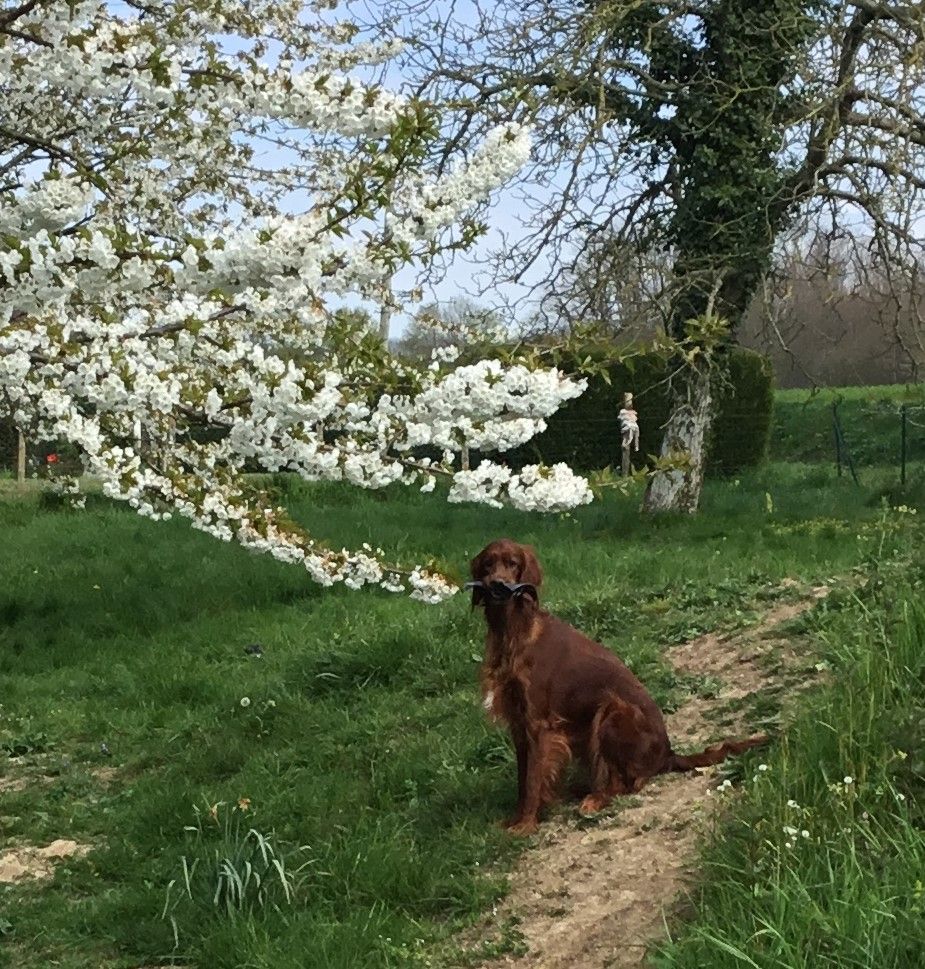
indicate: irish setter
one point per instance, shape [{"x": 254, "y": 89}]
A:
[{"x": 564, "y": 696}]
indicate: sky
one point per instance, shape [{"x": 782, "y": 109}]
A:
[{"x": 464, "y": 273}]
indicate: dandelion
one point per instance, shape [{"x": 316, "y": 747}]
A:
[
  {"x": 900, "y": 796},
  {"x": 245, "y": 701},
  {"x": 790, "y": 832},
  {"x": 848, "y": 781},
  {"x": 726, "y": 785},
  {"x": 792, "y": 804},
  {"x": 244, "y": 803},
  {"x": 804, "y": 833}
]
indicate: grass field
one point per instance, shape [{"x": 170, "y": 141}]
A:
[
  {"x": 870, "y": 419},
  {"x": 133, "y": 721}
]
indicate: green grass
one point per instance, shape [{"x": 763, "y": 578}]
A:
[
  {"x": 372, "y": 776},
  {"x": 823, "y": 860},
  {"x": 870, "y": 419},
  {"x": 899, "y": 393}
]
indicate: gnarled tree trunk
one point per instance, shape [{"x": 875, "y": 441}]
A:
[{"x": 678, "y": 489}]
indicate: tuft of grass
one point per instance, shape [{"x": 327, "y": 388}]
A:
[{"x": 232, "y": 870}]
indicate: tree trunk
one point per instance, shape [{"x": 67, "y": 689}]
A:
[
  {"x": 685, "y": 439},
  {"x": 21, "y": 458}
]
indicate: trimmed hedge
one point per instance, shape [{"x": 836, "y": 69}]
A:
[
  {"x": 8, "y": 443},
  {"x": 584, "y": 433},
  {"x": 741, "y": 432}
]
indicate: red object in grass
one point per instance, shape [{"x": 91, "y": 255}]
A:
[{"x": 52, "y": 458}]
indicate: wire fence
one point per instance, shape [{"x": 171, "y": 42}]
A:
[
  {"x": 911, "y": 433},
  {"x": 853, "y": 433}
]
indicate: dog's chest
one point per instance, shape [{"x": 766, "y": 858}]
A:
[
  {"x": 508, "y": 672},
  {"x": 504, "y": 697}
]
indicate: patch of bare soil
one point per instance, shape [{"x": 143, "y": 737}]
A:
[
  {"x": 596, "y": 898},
  {"x": 35, "y": 774},
  {"x": 29, "y": 861},
  {"x": 11, "y": 784}
]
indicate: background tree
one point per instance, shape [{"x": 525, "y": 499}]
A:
[
  {"x": 707, "y": 130},
  {"x": 456, "y": 323},
  {"x": 831, "y": 311},
  {"x": 610, "y": 289},
  {"x": 834, "y": 311}
]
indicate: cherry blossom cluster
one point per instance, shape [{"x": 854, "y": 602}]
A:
[{"x": 187, "y": 189}]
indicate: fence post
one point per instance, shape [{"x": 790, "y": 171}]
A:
[
  {"x": 842, "y": 445},
  {"x": 20, "y": 458},
  {"x": 837, "y": 438},
  {"x": 902, "y": 446}
]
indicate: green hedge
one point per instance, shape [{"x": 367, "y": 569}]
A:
[
  {"x": 8, "y": 443},
  {"x": 584, "y": 432},
  {"x": 742, "y": 430}
]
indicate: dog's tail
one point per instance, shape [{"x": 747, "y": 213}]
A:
[{"x": 713, "y": 755}]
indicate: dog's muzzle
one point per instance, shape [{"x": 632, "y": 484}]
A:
[{"x": 497, "y": 591}]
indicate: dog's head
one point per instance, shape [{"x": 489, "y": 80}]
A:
[{"x": 504, "y": 563}]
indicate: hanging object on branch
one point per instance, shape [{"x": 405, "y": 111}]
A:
[{"x": 629, "y": 432}]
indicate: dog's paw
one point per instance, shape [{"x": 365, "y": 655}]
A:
[
  {"x": 521, "y": 827},
  {"x": 592, "y": 804}
]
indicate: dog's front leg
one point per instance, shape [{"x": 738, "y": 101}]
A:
[
  {"x": 529, "y": 784},
  {"x": 545, "y": 752},
  {"x": 521, "y": 749}
]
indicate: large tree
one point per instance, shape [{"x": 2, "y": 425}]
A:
[
  {"x": 189, "y": 189},
  {"x": 704, "y": 129}
]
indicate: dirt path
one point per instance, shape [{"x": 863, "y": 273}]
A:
[{"x": 596, "y": 897}]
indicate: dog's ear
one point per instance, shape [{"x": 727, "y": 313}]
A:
[
  {"x": 477, "y": 565},
  {"x": 530, "y": 571},
  {"x": 477, "y": 571}
]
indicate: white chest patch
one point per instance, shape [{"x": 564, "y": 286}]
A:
[{"x": 488, "y": 701}]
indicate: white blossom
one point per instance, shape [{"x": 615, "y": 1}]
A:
[{"x": 166, "y": 291}]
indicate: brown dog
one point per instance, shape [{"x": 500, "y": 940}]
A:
[{"x": 564, "y": 696}]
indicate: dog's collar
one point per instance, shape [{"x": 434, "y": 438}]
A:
[{"x": 503, "y": 591}]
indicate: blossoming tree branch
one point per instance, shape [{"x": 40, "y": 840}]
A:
[{"x": 188, "y": 190}]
